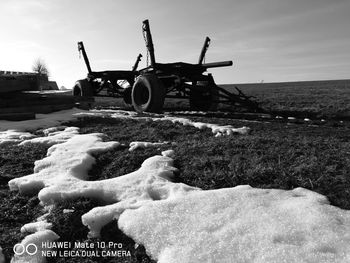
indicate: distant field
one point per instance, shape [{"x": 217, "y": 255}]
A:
[{"x": 319, "y": 98}]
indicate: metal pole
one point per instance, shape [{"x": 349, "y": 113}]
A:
[
  {"x": 86, "y": 59},
  {"x": 149, "y": 43},
  {"x": 134, "y": 68},
  {"x": 204, "y": 50}
]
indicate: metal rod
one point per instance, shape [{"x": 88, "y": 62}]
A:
[
  {"x": 86, "y": 59},
  {"x": 218, "y": 64},
  {"x": 134, "y": 68},
  {"x": 204, "y": 50},
  {"x": 149, "y": 42},
  {"x": 230, "y": 94}
]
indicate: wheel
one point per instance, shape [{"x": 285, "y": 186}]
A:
[
  {"x": 83, "y": 88},
  {"x": 148, "y": 94},
  {"x": 127, "y": 95},
  {"x": 204, "y": 96}
]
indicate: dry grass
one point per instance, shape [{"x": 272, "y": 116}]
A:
[{"x": 323, "y": 99}]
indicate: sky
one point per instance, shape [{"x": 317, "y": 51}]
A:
[{"x": 268, "y": 40}]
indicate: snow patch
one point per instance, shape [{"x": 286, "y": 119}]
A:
[
  {"x": 66, "y": 164},
  {"x": 36, "y": 226},
  {"x": 203, "y": 113},
  {"x": 136, "y": 145},
  {"x": 241, "y": 224},
  {"x": 13, "y": 136},
  {"x": 62, "y": 174},
  {"x": 169, "y": 153},
  {"x": 51, "y": 130},
  {"x": 216, "y": 129},
  {"x": 40, "y": 224},
  {"x": 54, "y": 135}
]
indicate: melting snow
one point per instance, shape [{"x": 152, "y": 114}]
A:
[
  {"x": 169, "y": 153},
  {"x": 66, "y": 163},
  {"x": 54, "y": 136},
  {"x": 35, "y": 227},
  {"x": 216, "y": 129},
  {"x": 40, "y": 225},
  {"x": 179, "y": 223},
  {"x": 137, "y": 145},
  {"x": 67, "y": 211},
  {"x": 241, "y": 224},
  {"x": 13, "y": 136}
]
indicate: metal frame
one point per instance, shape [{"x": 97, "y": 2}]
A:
[
  {"x": 108, "y": 80},
  {"x": 179, "y": 79}
]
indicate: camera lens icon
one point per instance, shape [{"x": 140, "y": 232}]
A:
[{"x": 20, "y": 249}]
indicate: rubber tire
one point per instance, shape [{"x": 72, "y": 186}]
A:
[
  {"x": 148, "y": 94},
  {"x": 127, "y": 95},
  {"x": 83, "y": 88},
  {"x": 204, "y": 97}
]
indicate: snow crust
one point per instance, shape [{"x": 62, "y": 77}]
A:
[
  {"x": 66, "y": 165},
  {"x": 54, "y": 135},
  {"x": 35, "y": 227},
  {"x": 136, "y": 145},
  {"x": 63, "y": 173},
  {"x": 216, "y": 129},
  {"x": 41, "y": 224},
  {"x": 13, "y": 136},
  {"x": 169, "y": 153},
  {"x": 242, "y": 224}
]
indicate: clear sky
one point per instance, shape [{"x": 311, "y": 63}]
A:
[{"x": 268, "y": 40}]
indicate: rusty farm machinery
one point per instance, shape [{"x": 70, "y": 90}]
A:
[{"x": 147, "y": 88}]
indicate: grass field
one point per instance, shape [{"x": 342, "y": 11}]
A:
[
  {"x": 273, "y": 155},
  {"x": 322, "y": 99}
]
